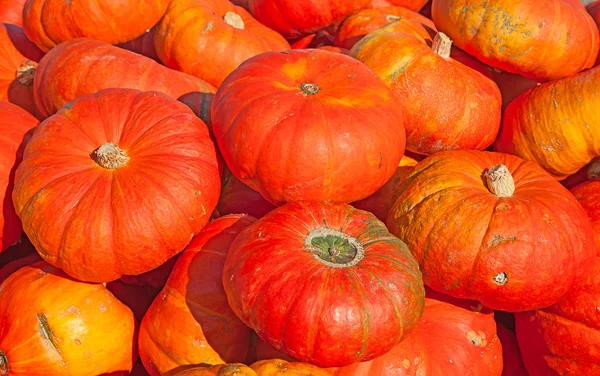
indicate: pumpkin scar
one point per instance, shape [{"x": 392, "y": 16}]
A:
[
  {"x": 497, "y": 239},
  {"x": 47, "y": 333}
]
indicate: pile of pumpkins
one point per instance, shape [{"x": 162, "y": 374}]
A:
[{"x": 310, "y": 187}]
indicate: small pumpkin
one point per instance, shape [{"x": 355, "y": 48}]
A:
[
  {"x": 50, "y": 22},
  {"x": 511, "y": 354},
  {"x": 336, "y": 133},
  {"x": 362, "y": 22},
  {"x": 553, "y": 124},
  {"x": 494, "y": 228},
  {"x": 11, "y": 12},
  {"x": 324, "y": 283},
  {"x": 527, "y": 37},
  {"x": 278, "y": 367},
  {"x": 218, "y": 370},
  {"x": 562, "y": 339},
  {"x": 15, "y": 127},
  {"x": 236, "y": 197},
  {"x": 54, "y": 325},
  {"x": 146, "y": 152},
  {"x": 143, "y": 45},
  {"x": 446, "y": 104},
  {"x": 190, "y": 322},
  {"x": 210, "y": 38},
  {"x": 63, "y": 74}
]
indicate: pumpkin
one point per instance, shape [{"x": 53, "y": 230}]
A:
[
  {"x": 446, "y": 104},
  {"x": 54, "y": 325},
  {"x": 528, "y": 37},
  {"x": 511, "y": 85},
  {"x": 324, "y": 283},
  {"x": 190, "y": 321},
  {"x": 143, "y": 45},
  {"x": 210, "y": 38},
  {"x": 295, "y": 19},
  {"x": 49, "y": 22},
  {"x": 588, "y": 195},
  {"x": 553, "y": 124},
  {"x": 11, "y": 11},
  {"x": 491, "y": 227},
  {"x": 336, "y": 133},
  {"x": 15, "y": 126},
  {"x": 380, "y": 202},
  {"x": 63, "y": 74},
  {"x": 453, "y": 337},
  {"x": 414, "y": 5},
  {"x": 237, "y": 197},
  {"x": 562, "y": 339},
  {"x": 511, "y": 354},
  {"x": 18, "y": 59},
  {"x": 105, "y": 168},
  {"x": 277, "y": 367},
  {"x": 362, "y": 22},
  {"x": 218, "y": 370}
]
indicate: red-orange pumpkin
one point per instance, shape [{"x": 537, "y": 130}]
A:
[
  {"x": 11, "y": 11},
  {"x": 18, "y": 59},
  {"x": 190, "y": 322},
  {"x": 563, "y": 339},
  {"x": 127, "y": 177},
  {"x": 324, "y": 283},
  {"x": 143, "y": 45},
  {"x": 330, "y": 130},
  {"x": 210, "y": 38},
  {"x": 50, "y": 22},
  {"x": 236, "y": 197},
  {"x": 54, "y": 325},
  {"x": 446, "y": 104},
  {"x": 15, "y": 126},
  {"x": 64, "y": 74},
  {"x": 494, "y": 228},
  {"x": 542, "y": 40}
]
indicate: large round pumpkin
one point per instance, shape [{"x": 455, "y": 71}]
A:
[
  {"x": 494, "y": 228},
  {"x": 18, "y": 59},
  {"x": 15, "y": 124},
  {"x": 453, "y": 337},
  {"x": 116, "y": 183},
  {"x": 50, "y": 22},
  {"x": 308, "y": 125},
  {"x": 553, "y": 124},
  {"x": 64, "y": 74},
  {"x": 446, "y": 104},
  {"x": 190, "y": 321},
  {"x": 542, "y": 40},
  {"x": 325, "y": 283},
  {"x": 11, "y": 11},
  {"x": 54, "y": 325},
  {"x": 210, "y": 38},
  {"x": 564, "y": 339}
]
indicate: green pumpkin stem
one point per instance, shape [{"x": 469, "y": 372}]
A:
[{"x": 334, "y": 248}]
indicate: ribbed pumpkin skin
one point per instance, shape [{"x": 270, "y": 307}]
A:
[
  {"x": 536, "y": 39},
  {"x": 464, "y": 237},
  {"x": 190, "y": 321},
  {"x": 316, "y": 312},
  {"x": 588, "y": 195},
  {"x": 54, "y": 325},
  {"x": 294, "y": 19},
  {"x": 15, "y": 123},
  {"x": 362, "y": 22},
  {"x": 339, "y": 144},
  {"x": 84, "y": 66},
  {"x": 563, "y": 339},
  {"x": 279, "y": 367},
  {"x": 452, "y": 338},
  {"x": 50, "y": 22},
  {"x": 195, "y": 38},
  {"x": 218, "y": 370},
  {"x": 446, "y": 105},
  {"x": 11, "y": 11},
  {"x": 105, "y": 220},
  {"x": 18, "y": 58},
  {"x": 553, "y": 124}
]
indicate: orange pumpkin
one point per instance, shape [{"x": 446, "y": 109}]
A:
[
  {"x": 54, "y": 325},
  {"x": 539, "y": 39},
  {"x": 279, "y": 367},
  {"x": 210, "y": 38},
  {"x": 190, "y": 321}
]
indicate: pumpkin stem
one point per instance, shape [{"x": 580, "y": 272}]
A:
[
  {"x": 309, "y": 88},
  {"x": 334, "y": 248},
  {"x": 4, "y": 367},
  {"x": 593, "y": 170},
  {"x": 499, "y": 181},
  {"x": 442, "y": 45},
  {"x": 233, "y": 19},
  {"x": 26, "y": 72},
  {"x": 110, "y": 156}
]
